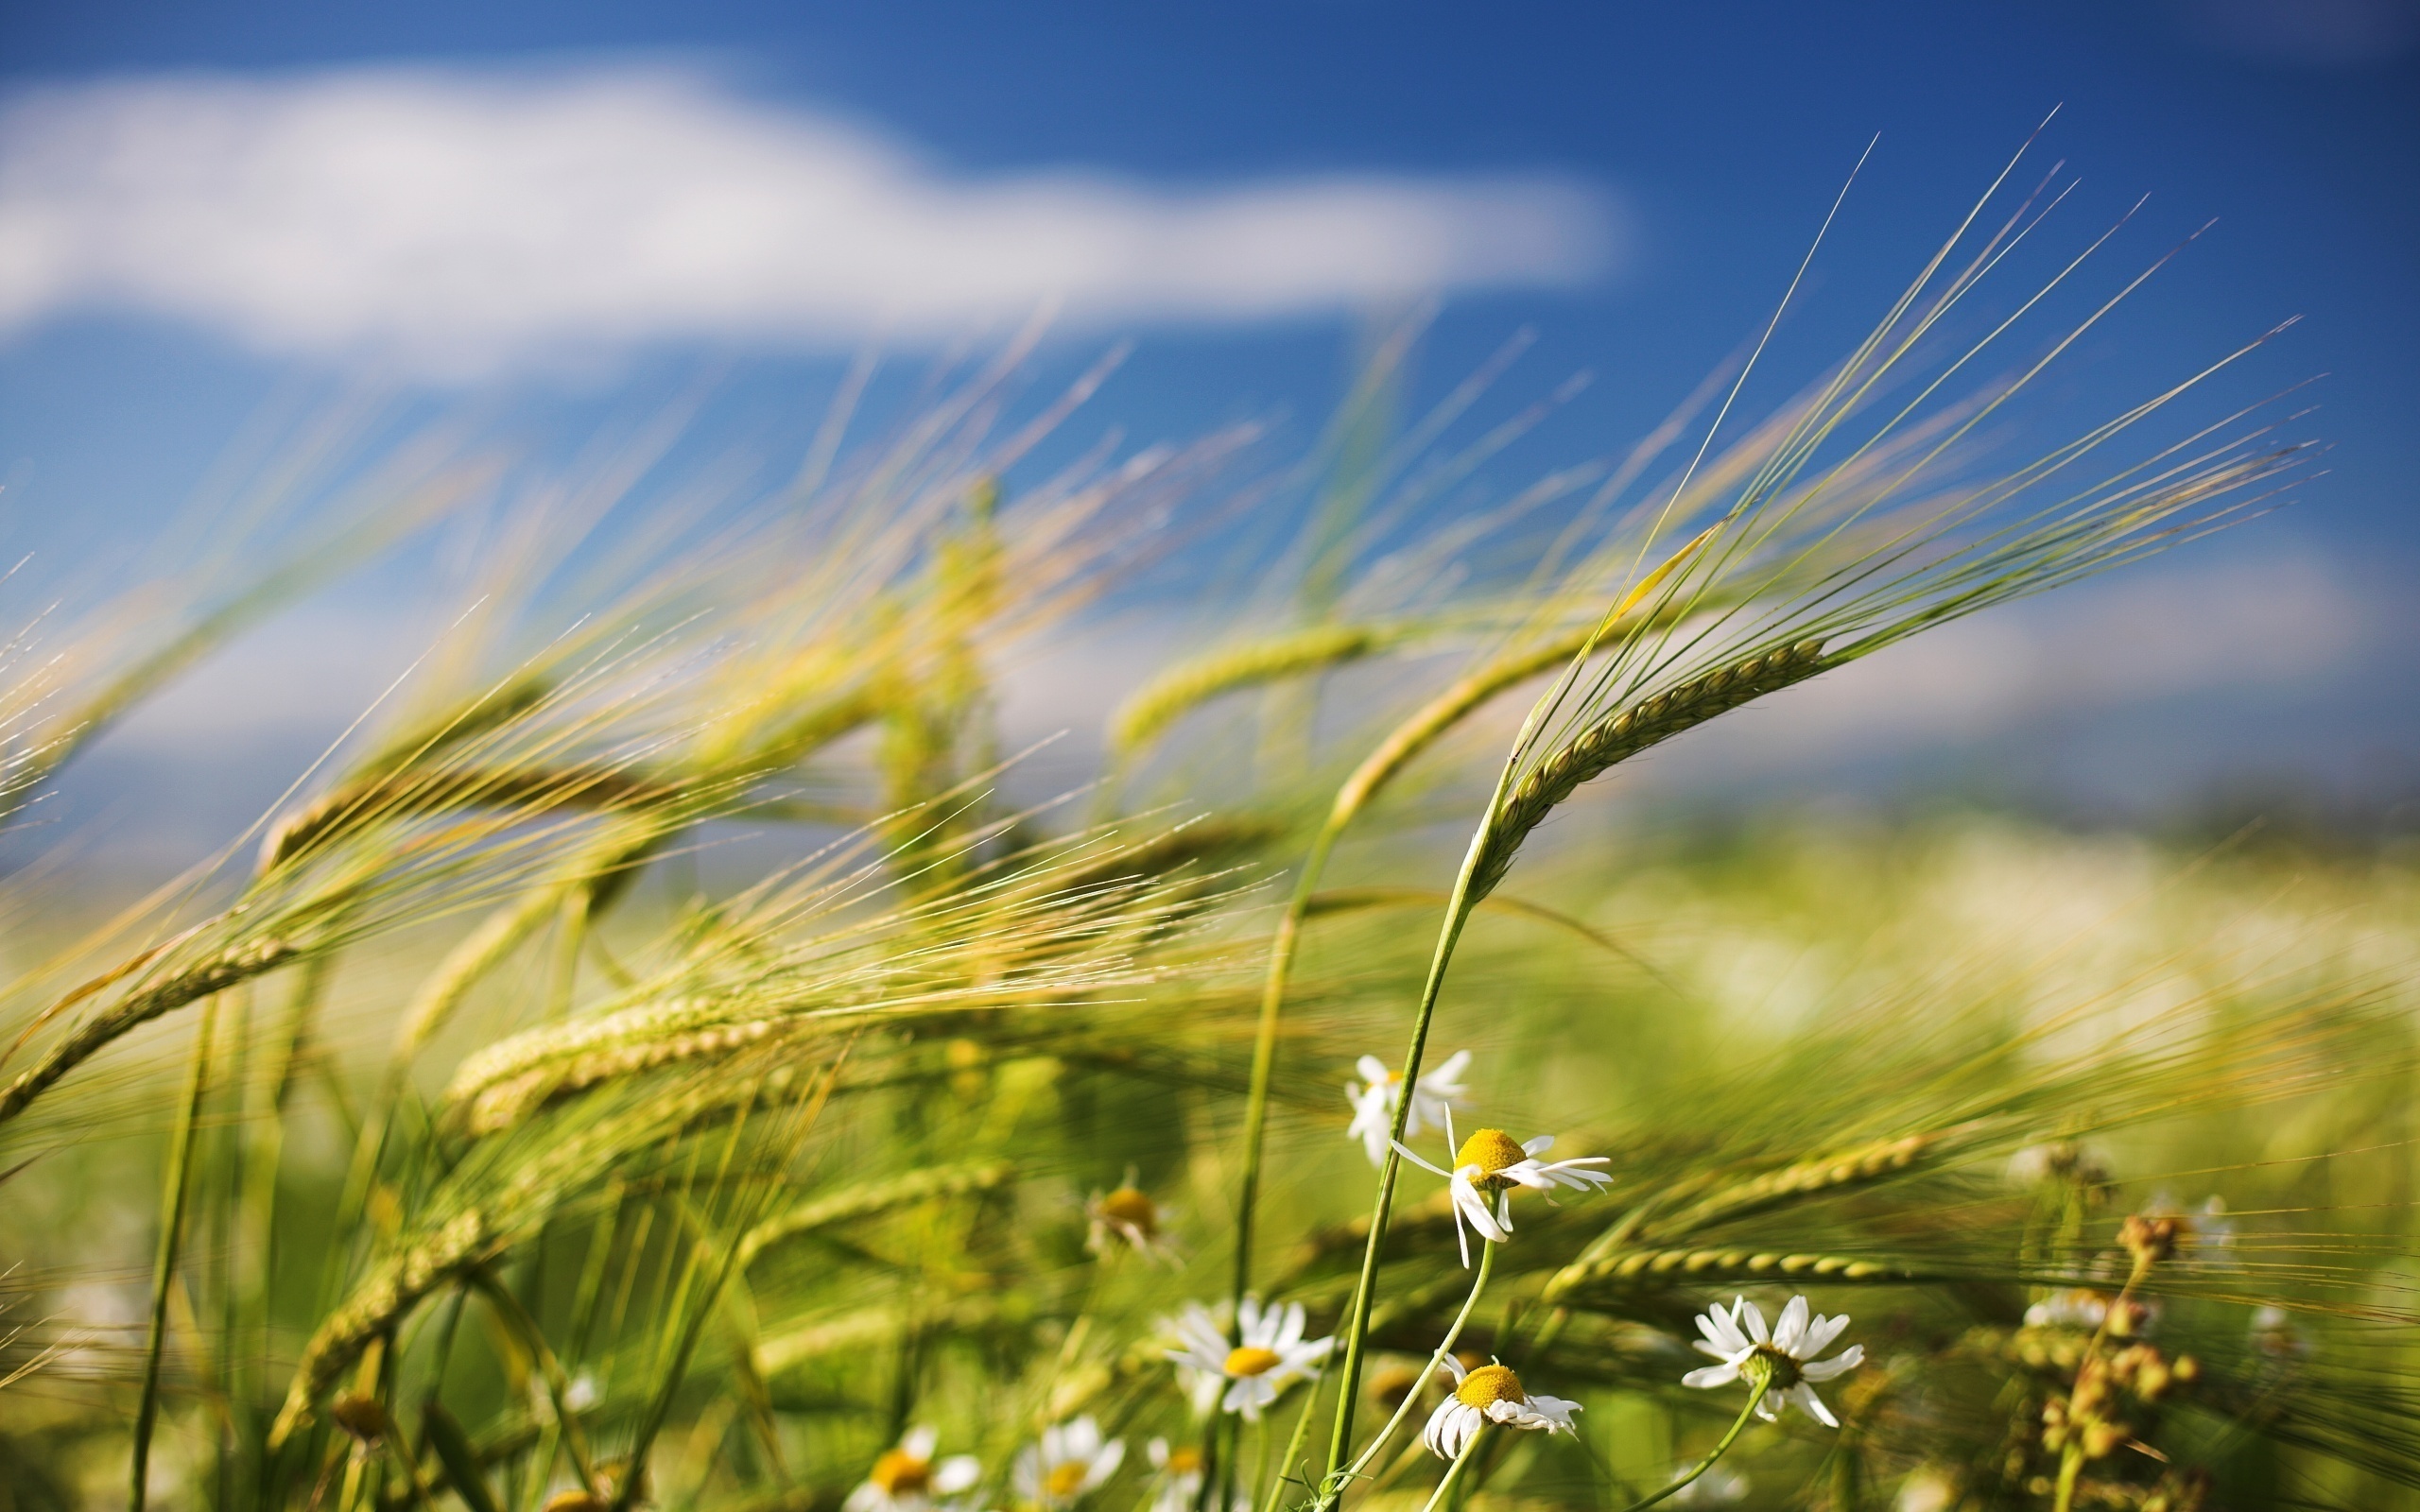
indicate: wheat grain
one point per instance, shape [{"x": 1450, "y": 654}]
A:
[{"x": 1618, "y": 737}]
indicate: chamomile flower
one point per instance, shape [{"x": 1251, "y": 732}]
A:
[
  {"x": 1783, "y": 1361},
  {"x": 1071, "y": 1459},
  {"x": 1491, "y": 1394},
  {"x": 1269, "y": 1354},
  {"x": 1489, "y": 1164},
  {"x": 906, "y": 1479},
  {"x": 1379, "y": 1091},
  {"x": 1128, "y": 1215},
  {"x": 1180, "y": 1469}
]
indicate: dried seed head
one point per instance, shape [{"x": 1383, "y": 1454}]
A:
[
  {"x": 359, "y": 1415},
  {"x": 2148, "y": 1240}
]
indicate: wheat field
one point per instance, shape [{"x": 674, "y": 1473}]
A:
[{"x": 677, "y": 1052}]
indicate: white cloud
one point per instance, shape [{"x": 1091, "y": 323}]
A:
[{"x": 456, "y": 221}]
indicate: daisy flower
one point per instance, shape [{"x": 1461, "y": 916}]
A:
[
  {"x": 1269, "y": 1354},
  {"x": 1180, "y": 1468},
  {"x": 1783, "y": 1361},
  {"x": 1489, "y": 1163},
  {"x": 1071, "y": 1460},
  {"x": 1127, "y": 1214},
  {"x": 1491, "y": 1394},
  {"x": 904, "y": 1479},
  {"x": 1376, "y": 1097}
]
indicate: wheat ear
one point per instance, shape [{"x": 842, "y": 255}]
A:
[
  {"x": 1166, "y": 698},
  {"x": 1618, "y": 737},
  {"x": 239, "y": 964},
  {"x": 388, "y": 796}
]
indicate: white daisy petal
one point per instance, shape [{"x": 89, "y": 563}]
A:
[
  {"x": 1804, "y": 1396},
  {"x": 1473, "y": 1206},
  {"x": 1820, "y": 1334},
  {"x": 1080, "y": 1439},
  {"x": 1791, "y": 1327},
  {"x": 1539, "y": 1145},
  {"x": 1847, "y": 1360},
  {"x": 1712, "y": 1375},
  {"x": 1721, "y": 1326},
  {"x": 1745, "y": 1313},
  {"x": 921, "y": 1442},
  {"x": 1418, "y": 1161},
  {"x": 957, "y": 1473}
]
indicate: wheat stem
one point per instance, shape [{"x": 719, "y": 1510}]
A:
[
  {"x": 1457, "y": 910},
  {"x": 1408, "y": 740},
  {"x": 163, "y": 1262},
  {"x": 1453, "y": 1472}
]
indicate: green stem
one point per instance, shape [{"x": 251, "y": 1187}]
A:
[
  {"x": 1453, "y": 1471},
  {"x": 1720, "y": 1450},
  {"x": 2071, "y": 1465},
  {"x": 164, "y": 1261},
  {"x": 1458, "y": 911},
  {"x": 1302, "y": 1433},
  {"x": 1412, "y": 1395},
  {"x": 1264, "y": 1048},
  {"x": 1379, "y": 767}
]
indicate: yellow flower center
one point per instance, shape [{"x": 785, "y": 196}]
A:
[
  {"x": 1252, "y": 1360},
  {"x": 900, "y": 1474},
  {"x": 1132, "y": 1207},
  {"x": 1185, "y": 1460},
  {"x": 1491, "y": 1150},
  {"x": 1066, "y": 1479},
  {"x": 1490, "y": 1383}
]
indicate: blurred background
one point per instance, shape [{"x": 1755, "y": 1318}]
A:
[{"x": 558, "y": 223}]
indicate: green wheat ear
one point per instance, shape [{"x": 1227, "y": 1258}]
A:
[
  {"x": 1189, "y": 684},
  {"x": 1618, "y": 737}
]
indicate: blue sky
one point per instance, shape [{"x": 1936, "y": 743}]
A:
[{"x": 1635, "y": 181}]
